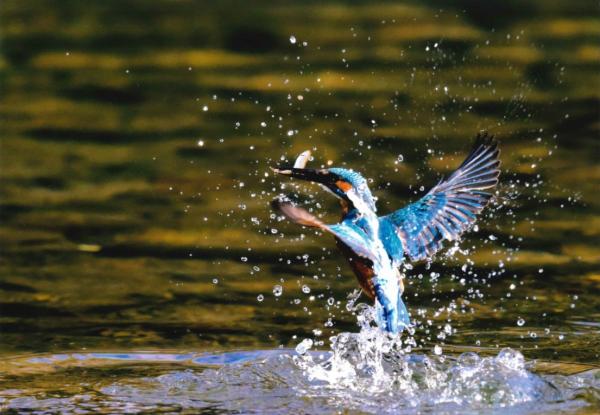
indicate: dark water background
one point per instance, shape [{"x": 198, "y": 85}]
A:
[{"x": 137, "y": 138}]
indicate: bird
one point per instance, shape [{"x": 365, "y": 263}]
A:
[{"x": 377, "y": 246}]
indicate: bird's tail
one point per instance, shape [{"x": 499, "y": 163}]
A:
[{"x": 391, "y": 314}]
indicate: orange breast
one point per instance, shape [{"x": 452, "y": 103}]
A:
[{"x": 362, "y": 267}]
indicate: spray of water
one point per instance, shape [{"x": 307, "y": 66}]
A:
[{"x": 374, "y": 366}]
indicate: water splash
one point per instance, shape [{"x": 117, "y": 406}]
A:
[
  {"x": 283, "y": 381},
  {"x": 377, "y": 372}
]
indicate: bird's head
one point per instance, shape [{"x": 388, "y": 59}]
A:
[{"x": 347, "y": 185}]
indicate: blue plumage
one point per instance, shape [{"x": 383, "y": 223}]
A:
[
  {"x": 376, "y": 246},
  {"x": 451, "y": 206}
]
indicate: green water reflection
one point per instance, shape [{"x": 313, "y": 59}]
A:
[{"x": 137, "y": 136}]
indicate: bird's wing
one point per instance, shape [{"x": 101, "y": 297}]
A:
[
  {"x": 450, "y": 208},
  {"x": 347, "y": 234}
]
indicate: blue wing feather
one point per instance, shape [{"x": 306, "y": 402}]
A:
[
  {"x": 351, "y": 235},
  {"x": 390, "y": 240},
  {"x": 447, "y": 210}
]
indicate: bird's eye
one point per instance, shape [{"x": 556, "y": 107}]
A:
[{"x": 343, "y": 185}]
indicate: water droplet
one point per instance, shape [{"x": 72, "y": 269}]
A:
[
  {"x": 200, "y": 143},
  {"x": 305, "y": 289},
  {"x": 277, "y": 290},
  {"x": 293, "y": 39},
  {"x": 511, "y": 359},
  {"x": 520, "y": 322},
  {"x": 215, "y": 281},
  {"x": 304, "y": 346},
  {"x": 205, "y": 108},
  {"x": 260, "y": 298},
  {"x": 437, "y": 350}
]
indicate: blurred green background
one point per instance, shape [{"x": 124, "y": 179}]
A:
[{"x": 136, "y": 138}]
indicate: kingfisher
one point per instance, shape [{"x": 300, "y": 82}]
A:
[{"x": 376, "y": 246}]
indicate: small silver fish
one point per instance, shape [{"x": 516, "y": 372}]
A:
[{"x": 302, "y": 160}]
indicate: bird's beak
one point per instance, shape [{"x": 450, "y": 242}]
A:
[{"x": 312, "y": 175}]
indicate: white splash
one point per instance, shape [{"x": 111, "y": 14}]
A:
[{"x": 380, "y": 368}]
